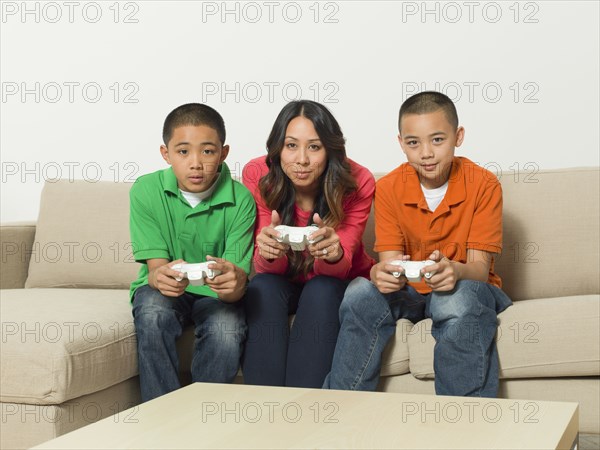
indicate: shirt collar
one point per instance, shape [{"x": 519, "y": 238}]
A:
[
  {"x": 456, "y": 193},
  {"x": 170, "y": 181},
  {"x": 223, "y": 192}
]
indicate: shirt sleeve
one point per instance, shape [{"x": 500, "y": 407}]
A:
[
  {"x": 146, "y": 238},
  {"x": 250, "y": 178},
  {"x": 240, "y": 236},
  {"x": 350, "y": 231},
  {"x": 388, "y": 234},
  {"x": 486, "y": 226}
]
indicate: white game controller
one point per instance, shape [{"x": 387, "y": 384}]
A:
[
  {"x": 412, "y": 269},
  {"x": 297, "y": 237},
  {"x": 196, "y": 272}
]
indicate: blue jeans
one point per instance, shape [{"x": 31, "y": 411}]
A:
[
  {"x": 276, "y": 355},
  {"x": 464, "y": 326},
  {"x": 219, "y": 327}
]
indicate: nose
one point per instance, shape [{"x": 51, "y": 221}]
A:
[
  {"x": 303, "y": 158},
  {"x": 426, "y": 151},
  {"x": 195, "y": 162}
]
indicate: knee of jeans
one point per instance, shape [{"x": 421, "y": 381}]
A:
[
  {"x": 461, "y": 302},
  {"x": 323, "y": 291},
  {"x": 152, "y": 318},
  {"x": 152, "y": 310},
  {"x": 359, "y": 292},
  {"x": 227, "y": 325},
  {"x": 147, "y": 296},
  {"x": 267, "y": 281},
  {"x": 263, "y": 285},
  {"x": 360, "y": 286}
]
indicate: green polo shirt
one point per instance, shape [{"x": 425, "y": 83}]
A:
[{"x": 164, "y": 225}]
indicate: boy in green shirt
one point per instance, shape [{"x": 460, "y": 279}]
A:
[{"x": 191, "y": 212}]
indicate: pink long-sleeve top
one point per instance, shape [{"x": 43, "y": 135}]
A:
[{"x": 357, "y": 206}]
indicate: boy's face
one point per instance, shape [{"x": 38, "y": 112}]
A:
[
  {"x": 195, "y": 153},
  {"x": 428, "y": 141}
]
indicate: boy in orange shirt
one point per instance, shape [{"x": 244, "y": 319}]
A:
[{"x": 446, "y": 209}]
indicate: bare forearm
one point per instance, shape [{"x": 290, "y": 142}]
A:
[
  {"x": 476, "y": 270},
  {"x": 234, "y": 296}
]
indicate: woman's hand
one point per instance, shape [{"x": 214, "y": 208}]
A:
[
  {"x": 329, "y": 248},
  {"x": 266, "y": 241}
]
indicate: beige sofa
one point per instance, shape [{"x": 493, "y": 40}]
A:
[{"x": 68, "y": 350}]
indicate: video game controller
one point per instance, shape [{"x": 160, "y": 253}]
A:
[
  {"x": 196, "y": 272},
  {"x": 297, "y": 237},
  {"x": 412, "y": 269}
]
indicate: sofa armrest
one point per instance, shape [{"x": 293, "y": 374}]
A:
[{"x": 16, "y": 240}]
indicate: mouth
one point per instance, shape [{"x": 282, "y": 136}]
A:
[
  {"x": 428, "y": 167},
  {"x": 196, "y": 179},
  {"x": 302, "y": 175}
]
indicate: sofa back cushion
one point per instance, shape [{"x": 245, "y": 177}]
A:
[
  {"x": 82, "y": 237},
  {"x": 551, "y": 233}
]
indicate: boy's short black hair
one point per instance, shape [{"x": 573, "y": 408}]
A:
[
  {"x": 193, "y": 114},
  {"x": 426, "y": 102}
]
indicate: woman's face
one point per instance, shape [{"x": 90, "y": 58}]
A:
[{"x": 303, "y": 157}]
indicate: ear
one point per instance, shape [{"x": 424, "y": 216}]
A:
[
  {"x": 401, "y": 142},
  {"x": 164, "y": 152},
  {"x": 224, "y": 153},
  {"x": 460, "y": 136}
]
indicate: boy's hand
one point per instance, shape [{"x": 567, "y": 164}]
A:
[
  {"x": 268, "y": 247},
  {"x": 164, "y": 279},
  {"x": 230, "y": 285},
  {"x": 445, "y": 273},
  {"x": 329, "y": 248},
  {"x": 382, "y": 278}
]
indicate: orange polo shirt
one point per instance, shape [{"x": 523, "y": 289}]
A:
[{"x": 469, "y": 216}]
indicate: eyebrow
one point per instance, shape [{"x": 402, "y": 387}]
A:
[
  {"x": 310, "y": 140},
  {"x": 431, "y": 135},
  {"x": 201, "y": 143}
]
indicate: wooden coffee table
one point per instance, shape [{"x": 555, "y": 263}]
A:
[{"x": 205, "y": 415}]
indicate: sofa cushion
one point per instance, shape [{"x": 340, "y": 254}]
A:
[
  {"x": 395, "y": 356},
  {"x": 551, "y": 233},
  {"x": 550, "y": 337},
  {"x": 59, "y": 344},
  {"x": 82, "y": 237},
  {"x": 24, "y": 426},
  {"x": 16, "y": 240}
]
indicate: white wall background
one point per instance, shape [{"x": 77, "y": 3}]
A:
[{"x": 86, "y": 85}]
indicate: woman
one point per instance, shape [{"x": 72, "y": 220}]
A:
[{"x": 304, "y": 179}]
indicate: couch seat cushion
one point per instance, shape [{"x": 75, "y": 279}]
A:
[
  {"x": 395, "y": 355},
  {"x": 59, "y": 344},
  {"x": 549, "y": 337}
]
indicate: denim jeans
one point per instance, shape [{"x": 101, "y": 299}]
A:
[
  {"x": 464, "y": 326},
  {"x": 220, "y": 331},
  {"x": 276, "y": 355}
]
